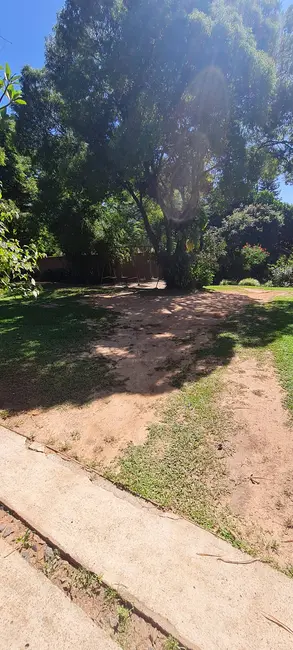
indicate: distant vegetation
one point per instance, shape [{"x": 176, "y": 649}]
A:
[{"x": 158, "y": 127}]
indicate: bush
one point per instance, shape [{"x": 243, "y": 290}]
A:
[
  {"x": 268, "y": 284},
  {"x": 202, "y": 274},
  {"x": 282, "y": 276},
  {"x": 254, "y": 259},
  {"x": 223, "y": 283},
  {"x": 249, "y": 282},
  {"x": 206, "y": 262}
]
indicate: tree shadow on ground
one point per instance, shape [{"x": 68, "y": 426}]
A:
[
  {"x": 45, "y": 351},
  {"x": 76, "y": 345}
]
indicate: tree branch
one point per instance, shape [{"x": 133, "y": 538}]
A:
[
  {"x": 288, "y": 144},
  {"x": 150, "y": 233}
]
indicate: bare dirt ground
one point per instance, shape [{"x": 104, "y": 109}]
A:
[
  {"x": 260, "y": 465},
  {"x": 154, "y": 335}
]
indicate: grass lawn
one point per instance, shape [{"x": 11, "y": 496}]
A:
[
  {"x": 236, "y": 287},
  {"x": 45, "y": 349},
  {"x": 179, "y": 467}
]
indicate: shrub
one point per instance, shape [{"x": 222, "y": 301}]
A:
[
  {"x": 249, "y": 282},
  {"x": 202, "y": 273},
  {"x": 253, "y": 256},
  {"x": 206, "y": 262},
  {"x": 223, "y": 283},
  {"x": 268, "y": 284},
  {"x": 282, "y": 276}
]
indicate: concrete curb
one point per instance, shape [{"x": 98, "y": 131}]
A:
[{"x": 150, "y": 557}]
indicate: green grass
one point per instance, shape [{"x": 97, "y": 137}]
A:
[
  {"x": 46, "y": 354},
  {"x": 179, "y": 466},
  {"x": 236, "y": 287},
  {"x": 173, "y": 466},
  {"x": 266, "y": 327}
]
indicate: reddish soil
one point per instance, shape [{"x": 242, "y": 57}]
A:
[
  {"x": 154, "y": 337},
  {"x": 260, "y": 466}
]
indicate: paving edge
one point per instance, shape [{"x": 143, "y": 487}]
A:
[{"x": 163, "y": 625}]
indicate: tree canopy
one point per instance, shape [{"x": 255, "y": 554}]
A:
[
  {"x": 167, "y": 98},
  {"x": 155, "y": 125}
]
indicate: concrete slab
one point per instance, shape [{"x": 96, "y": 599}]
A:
[
  {"x": 36, "y": 615},
  {"x": 151, "y": 557}
]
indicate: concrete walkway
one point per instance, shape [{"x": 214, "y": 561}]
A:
[
  {"x": 35, "y": 614},
  {"x": 149, "y": 556}
]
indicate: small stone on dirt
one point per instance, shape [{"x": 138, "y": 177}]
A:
[
  {"x": 35, "y": 446},
  {"x": 49, "y": 553},
  {"x": 114, "y": 622},
  {"x": 8, "y": 531},
  {"x": 2, "y": 526},
  {"x": 25, "y": 554},
  {"x": 34, "y": 547}
]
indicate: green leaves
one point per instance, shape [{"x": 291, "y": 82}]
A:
[
  {"x": 9, "y": 90},
  {"x": 16, "y": 263},
  {"x": 7, "y": 71}
]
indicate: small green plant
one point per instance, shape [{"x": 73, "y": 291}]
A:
[
  {"x": 88, "y": 581},
  {"x": 51, "y": 563},
  {"x": 4, "y": 414},
  {"x": 123, "y": 617},
  {"x": 275, "y": 546},
  {"x": 110, "y": 595},
  {"x": 172, "y": 644},
  {"x": 249, "y": 282},
  {"x": 25, "y": 539}
]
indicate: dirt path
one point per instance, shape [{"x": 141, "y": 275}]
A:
[
  {"x": 260, "y": 465},
  {"x": 153, "y": 339}
]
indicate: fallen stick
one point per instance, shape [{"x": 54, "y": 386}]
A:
[
  {"x": 279, "y": 623},
  {"x": 222, "y": 559}
]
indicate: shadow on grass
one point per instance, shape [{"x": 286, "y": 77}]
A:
[
  {"x": 46, "y": 355},
  {"x": 255, "y": 326},
  {"x": 47, "y": 347}
]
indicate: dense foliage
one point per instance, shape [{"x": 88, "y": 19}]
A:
[
  {"x": 159, "y": 127},
  {"x": 17, "y": 262}
]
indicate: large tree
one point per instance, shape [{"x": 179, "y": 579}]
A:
[
  {"x": 167, "y": 96},
  {"x": 277, "y": 135}
]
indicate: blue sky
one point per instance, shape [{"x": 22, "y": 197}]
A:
[{"x": 26, "y": 23}]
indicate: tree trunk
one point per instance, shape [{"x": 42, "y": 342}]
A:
[{"x": 175, "y": 266}]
